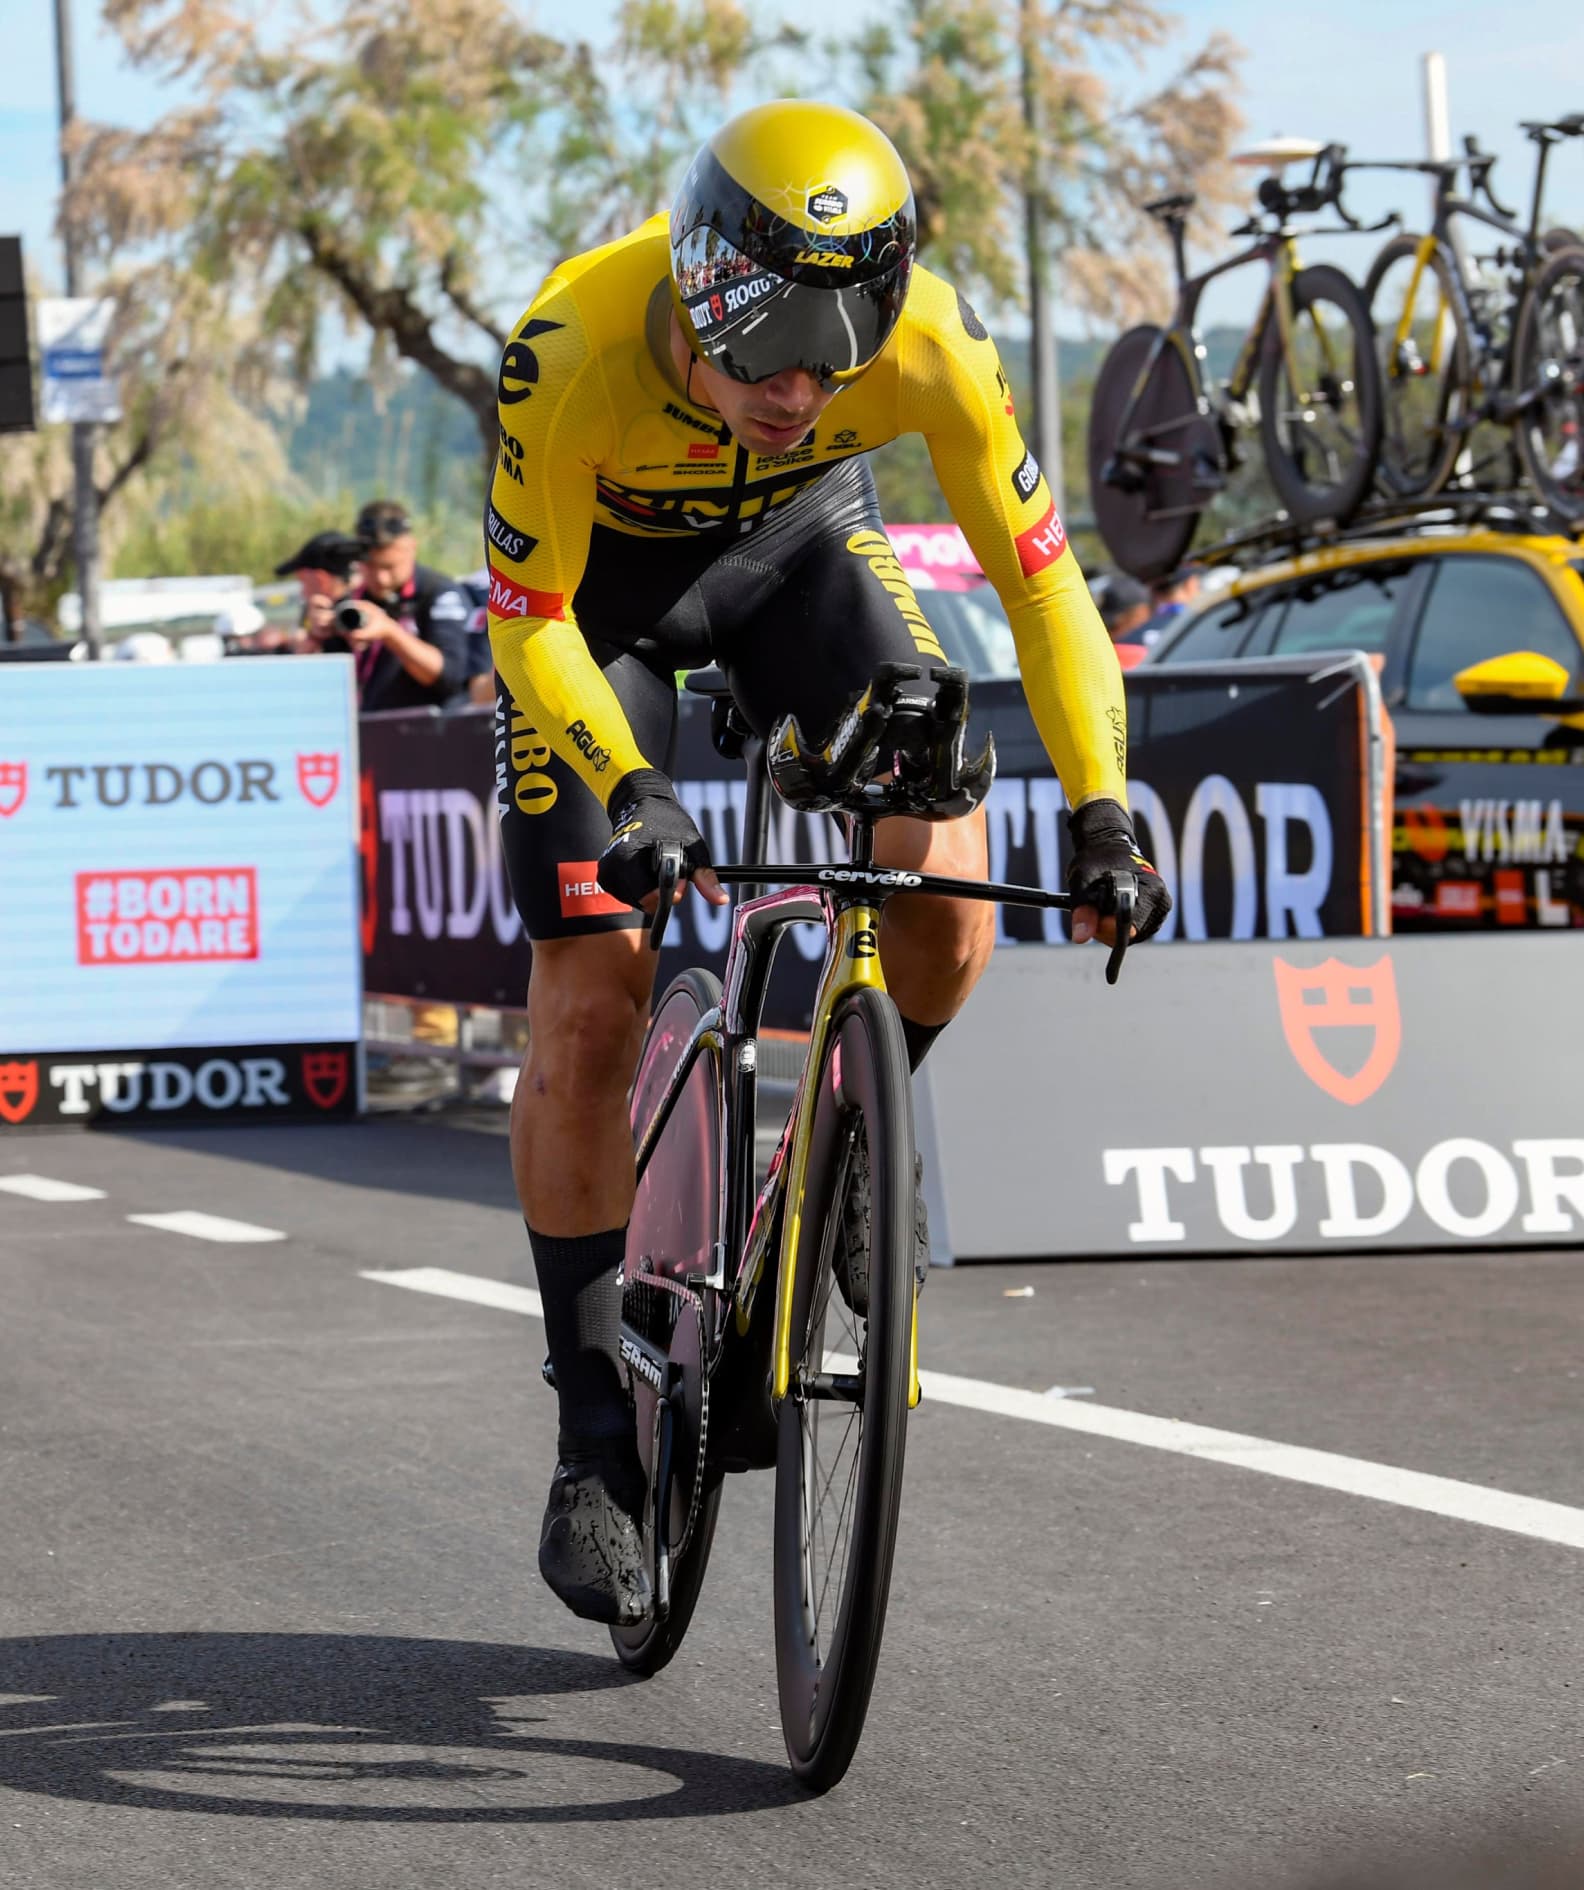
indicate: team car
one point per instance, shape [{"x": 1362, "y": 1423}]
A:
[{"x": 1479, "y": 633}]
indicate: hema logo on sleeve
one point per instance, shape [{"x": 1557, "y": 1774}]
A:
[{"x": 1354, "y": 1190}]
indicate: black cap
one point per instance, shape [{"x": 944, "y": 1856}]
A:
[
  {"x": 1116, "y": 595},
  {"x": 380, "y": 521},
  {"x": 325, "y": 551}
]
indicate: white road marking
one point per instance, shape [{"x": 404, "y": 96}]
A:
[
  {"x": 1529, "y": 1516},
  {"x": 206, "y": 1226},
  {"x": 41, "y": 1188},
  {"x": 448, "y": 1285}
]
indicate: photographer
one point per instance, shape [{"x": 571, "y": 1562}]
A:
[
  {"x": 324, "y": 569},
  {"x": 407, "y": 624}
]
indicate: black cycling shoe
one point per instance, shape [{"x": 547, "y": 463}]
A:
[
  {"x": 850, "y": 1262},
  {"x": 590, "y": 1548}
]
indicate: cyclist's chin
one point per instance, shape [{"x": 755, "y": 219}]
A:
[{"x": 759, "y": 436}]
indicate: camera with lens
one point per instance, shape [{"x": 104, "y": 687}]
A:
[{"x": 349, "y": 615}]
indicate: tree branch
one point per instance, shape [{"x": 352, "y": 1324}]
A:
[
  {"x": 393, "y": 312},
  {"x": 464, "y": 304}
]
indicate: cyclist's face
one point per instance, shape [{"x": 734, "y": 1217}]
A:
[{"x": 768, "y": 416}]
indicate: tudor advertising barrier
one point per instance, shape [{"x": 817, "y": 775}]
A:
[
  {"x": 1259, "y": 788},
  {"x": 179, "y": 923},
  {"x": 1406, "y": 1093}
]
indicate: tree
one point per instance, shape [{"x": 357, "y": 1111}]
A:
[
  {"x": 410, "y": 171},
  {"x": 189, "y": 413},
  {"x": 946, "y": 85}
]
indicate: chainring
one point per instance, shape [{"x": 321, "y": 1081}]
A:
[{"x": 668, "y": 1318}]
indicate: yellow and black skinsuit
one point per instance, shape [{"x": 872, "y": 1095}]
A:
[{"x": 630, "y": 535}]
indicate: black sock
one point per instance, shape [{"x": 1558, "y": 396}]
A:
[
  {"x": 918, "y": 1038},
  {"x": 580, "y": 1285}
]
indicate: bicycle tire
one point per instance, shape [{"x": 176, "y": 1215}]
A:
[
  {"x": 671, "y": 1215},
  {"x": 1348, "y": 449},
  {"x": 1419, "y": 442},
  {"x": 1148, "y": 526},
  {"x": 1548, "y": 348},
  {"x": 864, "y": 1089}
]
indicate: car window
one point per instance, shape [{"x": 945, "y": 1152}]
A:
[
  {"x": 1348, "y": 609},
  {"x": 1216, "y": 634},
  {"x": 1479, "y": 608},
  {"x": 973, "y": 630}
]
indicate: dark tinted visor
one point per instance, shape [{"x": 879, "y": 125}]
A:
[{"x": 751, "y": 323}]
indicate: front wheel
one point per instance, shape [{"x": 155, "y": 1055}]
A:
[
  {"x": 671, "y": 1233},
  {"x": 1320, "y": 408},
  {"x": 842, "y": 1427},
  {"x": 1548, "y": 380}
]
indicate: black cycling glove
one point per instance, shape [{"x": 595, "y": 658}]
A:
[
  {"x": 646, "y": 816},
  {"x": 1103, "y": 843}
]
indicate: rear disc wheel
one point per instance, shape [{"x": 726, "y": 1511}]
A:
[
  {"x": 1154, "y": 462},
  {"x": 672, "y": 1233}
]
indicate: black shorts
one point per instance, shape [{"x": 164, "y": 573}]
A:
[{"x": 798, "y": 615}]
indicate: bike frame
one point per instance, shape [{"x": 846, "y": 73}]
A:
[
  {"x": 729, "y": 1035},
  {"x": 1452, "y": 203},
  {"x": 1278, "y": 249}
]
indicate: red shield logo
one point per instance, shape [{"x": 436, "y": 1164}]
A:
[
  {"x": 13, "y": 787},
  {"x": 18, "y": 1090},
  {"x": 324, "y": 1074},
  {"x": 319, "y": 776},
  {"x": 1332, "y": 996}
]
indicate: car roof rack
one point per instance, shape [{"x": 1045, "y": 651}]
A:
[{"x": 1284, "y": 537}]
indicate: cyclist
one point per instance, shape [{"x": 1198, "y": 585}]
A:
[{"x": 684, "y": 415}]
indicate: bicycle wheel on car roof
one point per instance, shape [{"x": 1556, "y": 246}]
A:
[
  {"x": 1423, "y": 350},
  {"x": 1155, "y": 458},
  {"x": 842, "y": 1427},
  {"x": 1548, "y": 379},
  {"x": 1320, "y": 403}
]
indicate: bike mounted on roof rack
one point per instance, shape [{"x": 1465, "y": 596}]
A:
[{"x": 1518, "y": 512}]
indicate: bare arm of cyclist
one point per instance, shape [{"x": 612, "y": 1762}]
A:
[
  {"x": 954, "y": 392},
  {"x": 555, "y": 423}
]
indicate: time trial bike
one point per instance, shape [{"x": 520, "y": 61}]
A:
[{"x": 776, "y": 1325}]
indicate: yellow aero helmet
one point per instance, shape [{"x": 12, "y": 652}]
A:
[{"x": 792, "y": 243}]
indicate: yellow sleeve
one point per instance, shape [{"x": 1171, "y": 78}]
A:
[
  {"x": 555, "y": 426},
  {"x": 954, "y": 392}
]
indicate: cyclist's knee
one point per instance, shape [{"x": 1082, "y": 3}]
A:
[
  {"x": 588, "y": 1000},
  {"x": 958, "y": 933}
]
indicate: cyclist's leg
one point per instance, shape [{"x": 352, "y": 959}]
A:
[
  {"x": 571, "y": 1147},
  {"x": 840, "y": 606}
]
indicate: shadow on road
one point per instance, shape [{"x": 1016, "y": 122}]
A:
[
  {"x": 419, "y": 1154},
  {"x": 346, "y": 1727}
]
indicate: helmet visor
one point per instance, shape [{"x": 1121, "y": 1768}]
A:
[{"x": 750, "y": 322}]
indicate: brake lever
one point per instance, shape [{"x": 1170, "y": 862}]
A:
[
  {"x": 1126, "y": 890},
  {"x": 670, "y": 875}
]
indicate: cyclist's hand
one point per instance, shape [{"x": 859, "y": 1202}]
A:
[
  {"x": 1103, "y": 844},
  {"x": 646, "y": 817}
]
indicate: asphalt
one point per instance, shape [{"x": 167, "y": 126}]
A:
[{"x": 269, "y": 1614}]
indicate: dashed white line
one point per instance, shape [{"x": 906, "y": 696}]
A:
[
  {"x": 448, "y": 1285},
  {"x": 42, "y": 1188},
  {"x": 1351, "y": 1476},
  {"x": 207, "y": 1227}
]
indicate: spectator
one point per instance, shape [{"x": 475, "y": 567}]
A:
[
  {"x": 1171, "y": 596},
  {"x": 324, "y": 569},
  {"x": 412, "y": 645},
  {"x": 1124, "y": 607}
]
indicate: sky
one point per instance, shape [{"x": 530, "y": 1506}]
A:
[{"x": 1358, "y": 82}]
